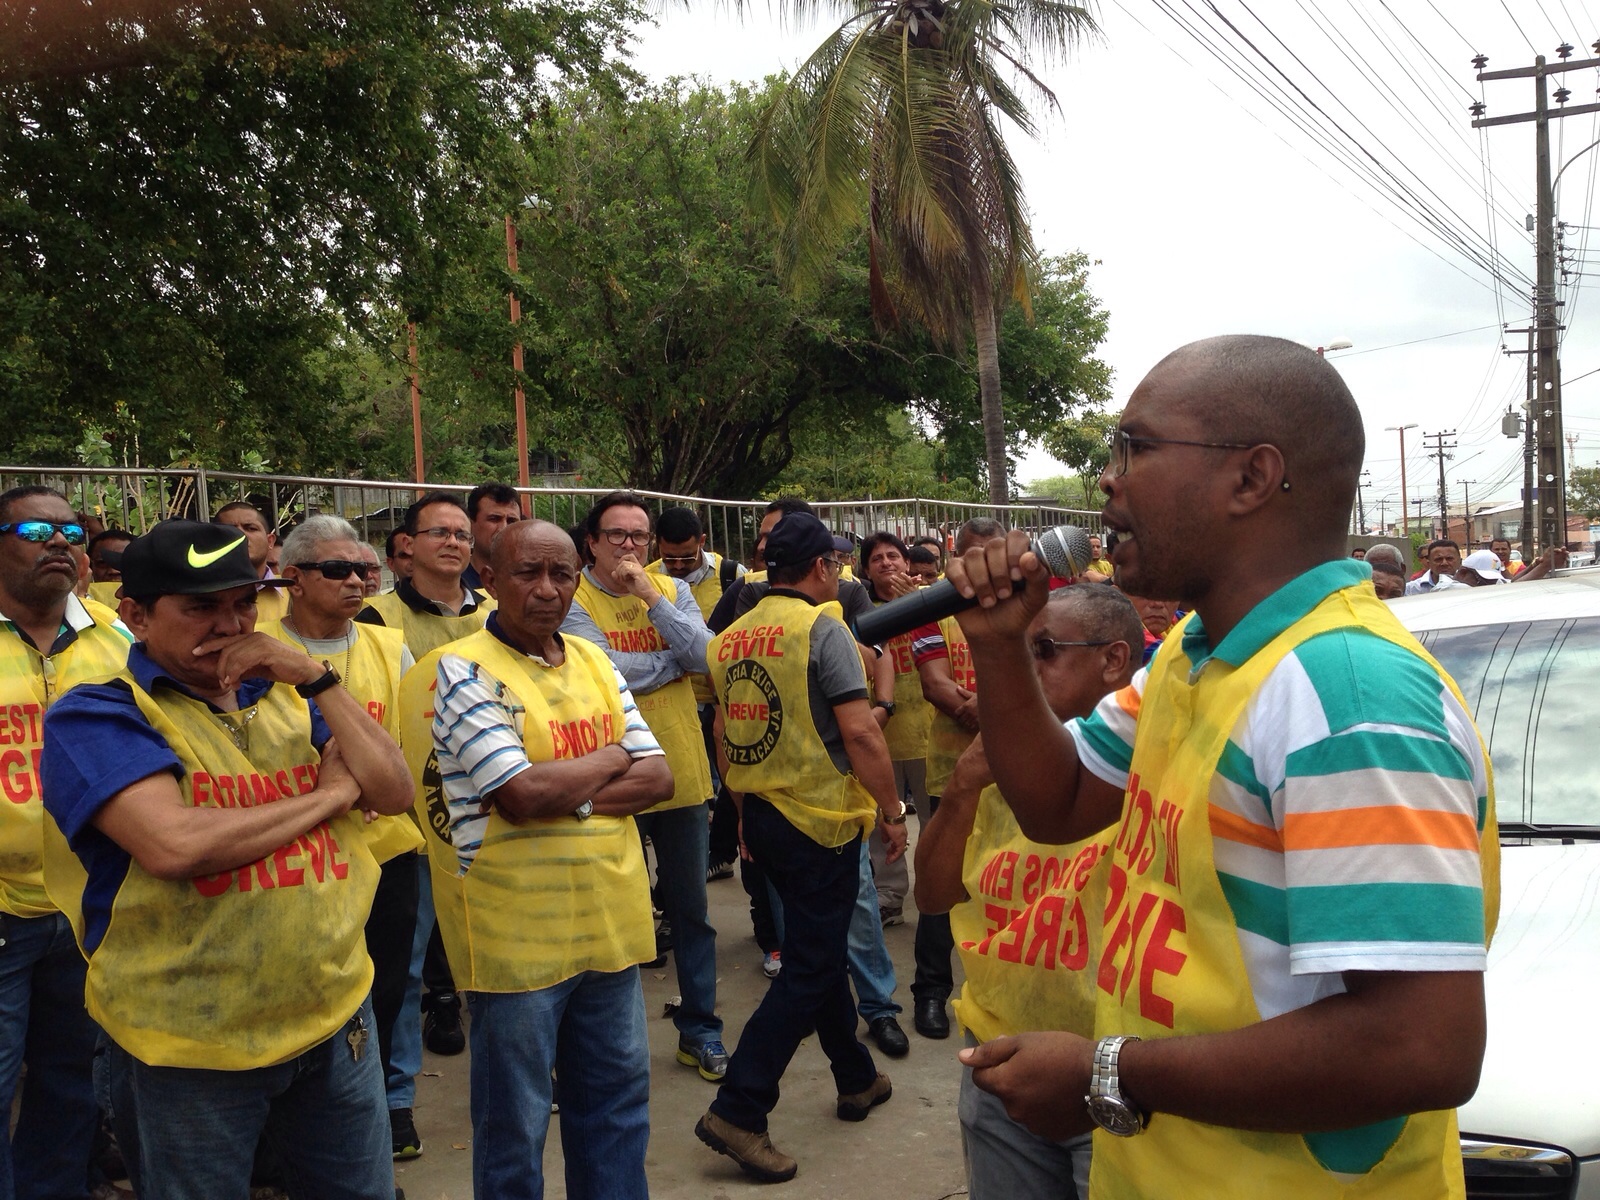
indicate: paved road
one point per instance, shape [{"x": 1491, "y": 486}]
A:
[{"x": 908, "y": 1149}]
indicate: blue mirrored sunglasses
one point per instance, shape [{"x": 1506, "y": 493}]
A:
[{"x": 43, "y": 531}]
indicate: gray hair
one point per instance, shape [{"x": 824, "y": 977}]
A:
[
  {"x": 1103, "y": 613},
  {"x": 1384, "y": 552},
  {"x": 301, "y": 544}
]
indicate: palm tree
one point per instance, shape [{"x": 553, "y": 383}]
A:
[{"x": 894, "y": 121}]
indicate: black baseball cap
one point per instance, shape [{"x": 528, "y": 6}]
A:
[
  {"x": 188, "y": 558},
  {"x": 796, "y": 540}
]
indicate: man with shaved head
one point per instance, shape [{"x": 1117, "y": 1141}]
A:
[
  {"x": 1302, "y": 867},
  {"x": 532, "y": 758}
]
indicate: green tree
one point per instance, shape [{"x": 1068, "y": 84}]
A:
[
  {"x": 894, "y": 123},
  {"x": 1583, "y": 491},
  {"x": 1083, "y": 444},
  {"x": 203, "y": 207}
]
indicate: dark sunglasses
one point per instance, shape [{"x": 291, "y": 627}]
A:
[
  {"x": 43, "y": 531},
  {"x": 1044, "y": 649},
  {"x": 339, "y": 568}
]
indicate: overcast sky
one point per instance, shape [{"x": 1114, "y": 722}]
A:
[{"x": 1209, "y": 212}]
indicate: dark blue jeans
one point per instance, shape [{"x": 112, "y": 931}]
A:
[
  {"x": 43, "y": 1024},
  {"x": 680, "y": 837},
  {"x": 195, "y": 1131},
  {"x": 817, "y": 887}
]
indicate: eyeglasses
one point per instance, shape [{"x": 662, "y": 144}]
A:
[
  {"x": 621, "y": 537},
  {"x": 440, "y": 534},
  {"x": 678, "y": 560},
  {"x": 1044, "y": 649},
  {"x": 43, "y": 531},
  {"x": 340, "y": 568},
  {"x": 837, "y": 562},
  {"x": 1121, "y": 443}
]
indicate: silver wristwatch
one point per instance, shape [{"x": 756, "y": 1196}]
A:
[
  {"x": 584, "y": 811},
  {"x": 1108, "y": 1107}
]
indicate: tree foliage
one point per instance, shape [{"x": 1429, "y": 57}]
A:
[
  {"x": 1583, "y": 491},
  {"x": 198, "y": 202},
  {"x": 894, "y": 123},
  {"x": 1082, "y": 443}
]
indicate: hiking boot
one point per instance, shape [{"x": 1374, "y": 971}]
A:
[
  {"x": 856, "y": 1107},
  {"x": 404, "y": 1135},
  {"x": 754, "y": 1152},
  {"x": 441, "y": 1025},
  {"x": 711, "y": 1058}
]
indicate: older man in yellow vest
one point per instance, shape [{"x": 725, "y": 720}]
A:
[
  {"x": 651, "y": 627},
  {"x": 532, "y": 758},
  {"x": 208, "y": 806},
  {"x": 1303, "y": 864},
  {"x": 49, "y": 640}
]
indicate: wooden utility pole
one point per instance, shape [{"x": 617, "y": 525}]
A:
[
  {"x": 1545, "y": 413},
  {"x": 1466, "y": 512},
  {"x": 520, "y": 399},
  {"x": 1404, "y": 527},
  {"x": 1442, "y": 452}
]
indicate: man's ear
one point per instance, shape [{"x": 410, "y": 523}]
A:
[
  {"x": 1118, "y": 656},
  {"x": 135, "y": 616},
  {"x": 1261, "y": 476},
  {"x": 294, "y": 575}
]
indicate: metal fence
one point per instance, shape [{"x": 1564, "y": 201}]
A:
[{"x": 134, "y": 498}]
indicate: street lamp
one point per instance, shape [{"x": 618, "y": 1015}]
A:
[
  {"x": 1404, "y": 528},
  {"x": 1336, "y": 344}
]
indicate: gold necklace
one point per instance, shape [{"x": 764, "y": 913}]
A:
[
  {"x": 349, "y": 646},
  {"x": 239, "y": 729}
]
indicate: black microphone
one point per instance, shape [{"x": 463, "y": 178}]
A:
[{"x": 1064, "y": 550}]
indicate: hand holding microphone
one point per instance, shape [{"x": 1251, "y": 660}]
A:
[{"x": 1008, "y": 581}]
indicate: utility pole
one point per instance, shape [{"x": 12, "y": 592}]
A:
[
  {"x": 1404, "y": 528},
  {"x": 1545, "y": 414},
  {"x": 1364, "y": 482},
  {"x": 1383, "y": 514},
  {"x": 1441, "y": 452},
  {"x": 1419, "y": 502},
  {"x": 1466, "y": 512}
]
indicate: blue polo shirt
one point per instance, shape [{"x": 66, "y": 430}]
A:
[{"x": 97, "y": 742}]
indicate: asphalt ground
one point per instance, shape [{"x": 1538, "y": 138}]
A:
[{"x": 908, "y": 1149}]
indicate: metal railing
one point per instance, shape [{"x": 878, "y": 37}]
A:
[{"x": 134, "y": 498}]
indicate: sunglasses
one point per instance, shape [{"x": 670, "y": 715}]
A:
[
  {"x": 43, "y": 531},
  {"x": 339, "y": 568},
  {"x": 1044, "y": 649}
]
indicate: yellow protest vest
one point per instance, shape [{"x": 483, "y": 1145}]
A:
[
  {"x": 546, "y": 899},
  {"x": 706, "y": 593},
  {"x": 1028, "y": 931},
  {"x": 758, "y": 669},
  {"x": 670, "y": 711},
  {"x": 271, "y": 603},
  {"x": 250, "y": 967},
  {"x": 106, "y": 593},
  {"x": 29, "y": 684},
  {"x": 907, "y": 730},
  {"x": 371, "y": 673},
  {"x": 946, "y": 738},
  {"x": 426, "y": 631},
  {"x": 1171, "y": 963}
]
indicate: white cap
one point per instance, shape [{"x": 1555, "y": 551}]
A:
[{"x": 1486, "y": 564}]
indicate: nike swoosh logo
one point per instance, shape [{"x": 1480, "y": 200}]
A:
[{"x": 200, "y": 561}]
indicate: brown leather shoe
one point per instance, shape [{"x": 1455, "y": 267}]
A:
[
  {"x": 856, "y": 1107},
  {"x": 754, "y": 1152}
]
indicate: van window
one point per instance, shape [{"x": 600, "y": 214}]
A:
[{"x": 1528, "y": 685}]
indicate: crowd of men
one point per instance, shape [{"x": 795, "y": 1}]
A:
[{"x": 272, "y": 829}]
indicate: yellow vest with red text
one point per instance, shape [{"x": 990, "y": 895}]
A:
[
  {"x": 759, "y": 670},
  {"x": 1171, "y": 965},
  {"x": 544, "y": 899},
  {"x": 946, "y": 738},
  {"x": 670, "y": 711},
  {"x": 29, "y": 684},
  {"x": 1028, "y": 930},
  {"x": 426, "y": 631},
  {"x": 371, "y": 673},
  {"x": 907, "y": 730},
  {"x": 250, "y": 967}
]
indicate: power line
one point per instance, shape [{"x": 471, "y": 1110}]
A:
[{"x": 1436, "y": 337}]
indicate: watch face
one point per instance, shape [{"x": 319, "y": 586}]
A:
[{"x": 1114, "y": 1116}]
